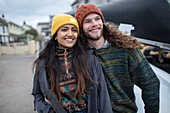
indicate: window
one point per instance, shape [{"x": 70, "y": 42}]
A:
[
  {"x": 3, "y": 27},
  {"x": 0, "y": 40}
]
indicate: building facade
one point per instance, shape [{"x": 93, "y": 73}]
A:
[
  {"x": 14, "y": 41},
  {"x": 4, "y": 33},
  {"x": 26, "y": 27},
  {"x": 43, "y": 28},
  {"x": 14, "y": 31}
]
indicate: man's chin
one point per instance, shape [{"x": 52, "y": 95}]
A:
[
  {"x": 93, "y": 38},
  {"x": 90, "y": 37}
]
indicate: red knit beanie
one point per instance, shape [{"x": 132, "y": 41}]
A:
[{"x": 85, "y": 9}]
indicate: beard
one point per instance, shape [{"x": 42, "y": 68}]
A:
[
  {"x": 94, "y": 38},
  {"x": 91, "y": 37}
]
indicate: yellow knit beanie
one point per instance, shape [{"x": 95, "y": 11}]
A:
[{"x": 62, "y": 19}]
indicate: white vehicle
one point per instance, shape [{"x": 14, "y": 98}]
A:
[{"x": 164, "y": 78}]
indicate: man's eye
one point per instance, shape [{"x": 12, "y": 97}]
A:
[
  {"x": 98, "y": 18},
  {"x": 87, "y": 21}
]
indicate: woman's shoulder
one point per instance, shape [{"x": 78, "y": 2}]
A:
[{"x": 40, "y": 62}]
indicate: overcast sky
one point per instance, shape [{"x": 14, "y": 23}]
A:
[{"x": 32, "y": 11}]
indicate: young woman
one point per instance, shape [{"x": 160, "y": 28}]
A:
[{"x": 68, "y": 79}]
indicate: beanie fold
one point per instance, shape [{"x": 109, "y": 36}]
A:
[
  {"x": 84, "y": 10},
  {"x": 62, "y": 19}
]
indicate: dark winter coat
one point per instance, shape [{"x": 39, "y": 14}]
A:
[{"x": 98, "y": 98}]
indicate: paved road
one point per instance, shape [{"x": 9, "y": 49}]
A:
[{"x": 16, "y": 84}]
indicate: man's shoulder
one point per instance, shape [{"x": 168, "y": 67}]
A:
[
  {"x": 126, "y": 50},
  {"x": 119, "y": 51},
  {"x": 89, "y": 52},
  {"x": 112, "y": 49}
]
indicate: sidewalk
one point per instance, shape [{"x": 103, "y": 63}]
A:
[{"x": 16, "y": 84}]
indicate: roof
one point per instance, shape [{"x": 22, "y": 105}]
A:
[
  {"x": 3, "y": 21},
  {"x": 14, "y": 24},
  {"x": 43, "y": 23},
  {"x": 28, "y": 26}
]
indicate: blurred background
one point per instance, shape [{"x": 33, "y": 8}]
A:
[{"x": 25, "y": 29}]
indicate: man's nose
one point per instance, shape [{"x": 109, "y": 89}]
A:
[{"x": 94, "y": 23}]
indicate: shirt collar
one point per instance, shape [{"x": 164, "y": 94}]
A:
[{"x": 105, "y": 45}]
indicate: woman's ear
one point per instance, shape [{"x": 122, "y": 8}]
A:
[{"x": 55, "y": 38}]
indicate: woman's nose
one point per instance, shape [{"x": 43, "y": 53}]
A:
[{"x": 70, "y": 33}]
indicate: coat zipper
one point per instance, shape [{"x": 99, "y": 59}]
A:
[{"x": 66, "y": 63}]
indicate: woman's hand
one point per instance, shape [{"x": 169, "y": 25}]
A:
[{"x": 46, "y": 100}]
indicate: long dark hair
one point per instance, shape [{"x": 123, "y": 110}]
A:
[
  {"x": 115, "y": 37},
  {"x": 52, "y": 66}
]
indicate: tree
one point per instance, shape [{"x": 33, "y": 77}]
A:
[{"x": 32, "y": 32}]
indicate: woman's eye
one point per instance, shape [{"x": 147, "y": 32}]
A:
[
  {"x": 74, "y": 30},
  {"x": 63, "y": 29}
]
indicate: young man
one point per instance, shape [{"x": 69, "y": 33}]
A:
[{"x": 123, "y": 63}]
